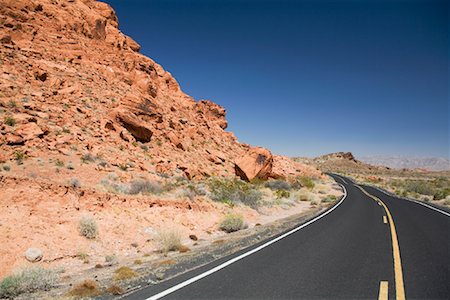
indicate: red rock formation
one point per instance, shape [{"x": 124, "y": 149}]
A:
[
  {"x": 70, "y": 79},
  {"x": 256, "y": 164}
]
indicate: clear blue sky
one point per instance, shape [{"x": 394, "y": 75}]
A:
[{"x": 309, "y": 77}]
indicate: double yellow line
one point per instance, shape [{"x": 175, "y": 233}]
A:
[{"x": 398, "y": 273}]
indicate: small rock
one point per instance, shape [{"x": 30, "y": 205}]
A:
[
  {"x": 134, "y": 245},
  {"x": 193, "y": 237},
  {"x": 34, "y": 254}
]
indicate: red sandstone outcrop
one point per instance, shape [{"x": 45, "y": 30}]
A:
[
  {"x": 71, "y": 80},
  {"x": 257, "y": 163}
]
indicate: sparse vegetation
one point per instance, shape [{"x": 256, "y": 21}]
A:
[
  {"x": 279, "y": 194},
  {"x": 74, "y": 182},
  {"x": 83, "y": 256},
  {"x": 88, "y": 227},
  {"x": 233, "y": 191},
  {"x": 59, "y": 163},
  {"x": 303, "y": 195},
  {"x": 169, "y": 240},
  {"x": 10, "y": 121},
  {"x": 19, "y": 157},
  {"x": 142, "y": 186},
  {"x": 115, "y": 290},
  {"x": 276, "y": 185},
  {"x": 329, "y": 198},
  {"x": 87, "y": 288},
  {"x": 28, "y": 280},
  {"x": 306, "y": 182},
  {"x": 6, "y": 167},
  {"x": 87, "y": 158},
  {"x": 111, "y": 259},
  {"x": 123, "y": 273},
  {"x": 232, "y": 222}
]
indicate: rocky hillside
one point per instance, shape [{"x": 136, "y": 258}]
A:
[
  {"x": 74, "y": 86},
  {"x": 401, "y": 162},
  {"x": 340, "y": 162}
]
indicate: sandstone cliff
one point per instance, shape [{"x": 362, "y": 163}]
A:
[{"x": 72, "y": 83}]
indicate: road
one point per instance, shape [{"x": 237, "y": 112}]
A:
[{"x": 370, "y": 246}]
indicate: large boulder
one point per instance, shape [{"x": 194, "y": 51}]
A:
[
  {"x": 138, "y": 128},
  {"x": 255, "y": 164}
]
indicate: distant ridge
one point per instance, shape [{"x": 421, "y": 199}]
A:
[{"x": 403, "y": 162}]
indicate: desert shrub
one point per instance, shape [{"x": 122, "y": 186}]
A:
[
  {"x": 10, "y": 286},
  {"x": 74, "y": 182},
  {"x": 70, "y": 166},
  {"x": 6, "y": 167},
  {"x": 231, "y": 223},
  {"x": 111, "y": 259},
  {"x": 83, "y": 256},
  {"x": 303, "y": 195},
  {"x": 142, "y": 186},
  {"x": 306, "y": 182},
  {"x": 59, "y": 163},
  {"x": 123, "y": 273},
  {"x": 87, "y": 158},
  {"x": 441, "y": 194},
  {"x": 27, "y": 281},
  {"x": 86, "y": 289},
  {"x": 233, "y": 191},
  {"x": 12, "y": 103},
  {"x": 115, "y": 290},
  {"x": 329, "y": 198},
  {"x": 169, "y": 240},
  {"x": 88, "y": 227},
  {"x": 420, "y": 186},
  {"x": 278, "y": 185},
  {"x": 10, "y": 121},
  {"x": 19, "y": 156},
  {"x": 282, "y": 194}
]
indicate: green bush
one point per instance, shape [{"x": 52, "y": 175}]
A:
[
  {"x": 306, "y": 182},
  {"x": 420, "y": 186},
  {"x": 441, "y": 194},
  {"x": 233, "y": 191},
  {"x": 232, "y": 222},
  {"x": 88, "y": 227},
  {"x": 282, "y": 194},
  {"x": 10, "y": 121},
  {"x": 329, "y": 198}
]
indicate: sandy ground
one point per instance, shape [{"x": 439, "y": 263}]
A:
[{"x": 38, "y": 212}]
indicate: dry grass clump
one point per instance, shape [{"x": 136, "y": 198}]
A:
[
  {"x": 169, "y": 240},
  {"x": 303, "y": 195},
  {"x": 123, "y": 273},
  {"x": 115, "y": 290},
  {"x": 88, "y": 227},
  {"x": 86, "y": 289},
  {"x": 232, "y": 222}
]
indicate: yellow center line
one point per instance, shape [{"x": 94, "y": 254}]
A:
[
  {"x": 384, "y": 220},
  {"x": 398, "y": 273},
  {"x": 383, "y": 294}
]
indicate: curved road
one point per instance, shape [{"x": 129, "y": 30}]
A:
[{"x": 349, "y": 253}]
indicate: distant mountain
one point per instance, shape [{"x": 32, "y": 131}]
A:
[{"x": 402, "y": 162}]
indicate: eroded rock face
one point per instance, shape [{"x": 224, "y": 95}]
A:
[
  {"x": 255, "y": 164},
  {"x": 71, "y": 80},
  {"x": 137, "y": 128}
]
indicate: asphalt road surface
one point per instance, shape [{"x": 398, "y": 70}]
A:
[{"x": 369, "y": 246}]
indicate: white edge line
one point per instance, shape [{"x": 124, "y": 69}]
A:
[
  {"x": 415, "y": 201},
  {"x": 237, "y": 258}
]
